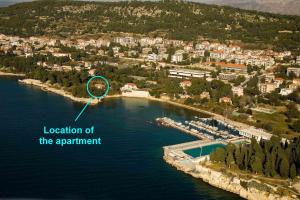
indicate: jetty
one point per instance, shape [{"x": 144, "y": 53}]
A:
[{"x": 178, "y": 125}]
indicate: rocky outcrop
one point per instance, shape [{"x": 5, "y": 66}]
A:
[{"x": 248, "y": 189}]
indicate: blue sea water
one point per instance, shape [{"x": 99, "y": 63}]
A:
[{"x": 127, "y": 165}]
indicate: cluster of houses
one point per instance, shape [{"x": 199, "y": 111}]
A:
[
  {"x": 268, "y": 82},
  {"x": 231, "y": 59},
  {"x": 148, "y": 49},
  {"x": 216, "y": 51}
]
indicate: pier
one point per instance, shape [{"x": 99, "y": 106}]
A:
[
  {"x": 203, "y": 128},
  {"x": 212, "y": 133},
  {"x": 177, "y": 125}
]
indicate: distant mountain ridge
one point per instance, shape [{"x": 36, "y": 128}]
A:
[{"x": 289, "y": 7}]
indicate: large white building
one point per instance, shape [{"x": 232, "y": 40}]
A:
[
  {"x": 253, "y": 132},
  {"x": 186, "y": 73}
]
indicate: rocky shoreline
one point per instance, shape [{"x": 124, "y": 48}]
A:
[
  {"x": 11, "y": 74},
  {"x": 51, "y": 88},
  {"x": 249, "y": 189}
]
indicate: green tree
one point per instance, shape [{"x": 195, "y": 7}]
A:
[
  {"x": 257, "y": 165},
  {"x": 293, "y": 171},
  {"x": 284, "y": 168},
  {"x": 218, "y": 155}
]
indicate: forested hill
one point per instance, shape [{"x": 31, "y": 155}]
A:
[{"x": 177, "y": 20}]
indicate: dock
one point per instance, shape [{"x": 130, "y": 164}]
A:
[{"x": 171, "y": 123}]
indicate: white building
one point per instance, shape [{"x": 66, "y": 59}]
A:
[
  {"x": 198, "y": 53},
  {"x": 286, "y": 91},
  {"x": 298, "y": 60},
  {"x": 239, "y": 91},
  {"x": 186, "y": 73},
  {"x": 131, "y": 90},
  {"x": 152, "y": 57},
  {"x": 177, "y": 57},
  {"x": 61, "y": 55},
  {"x": 218, "y": 55},
  {"x": 253, "y": 132},
  {"x": 267, "y": 87}
]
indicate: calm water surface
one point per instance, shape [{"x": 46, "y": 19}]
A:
[{"x": 128, "y": 165}]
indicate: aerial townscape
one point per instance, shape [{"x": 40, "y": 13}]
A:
[{"x": 240, "y": 69}]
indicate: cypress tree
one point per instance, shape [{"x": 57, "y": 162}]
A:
[
  {"x": 268, "y": 166},
  {"x": 284, "y": 168},
  {"x": 230, "y": 160},
  {"x": 293, "y": 171},
  {"x": 257, "y": 166},
  {"x": 238, "y": 156}
]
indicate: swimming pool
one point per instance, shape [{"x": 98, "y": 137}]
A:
[{"x": 205, "y": 150}]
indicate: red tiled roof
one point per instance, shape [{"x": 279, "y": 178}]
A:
[{"x": 130, "y": 84}]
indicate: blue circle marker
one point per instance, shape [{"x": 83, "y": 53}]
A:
[
  {"x": 106, "y": 85},
  {"x": 94, "y": 96}
]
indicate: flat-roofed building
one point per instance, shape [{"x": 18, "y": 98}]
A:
[
  {"x": 267, "y": 87},
  {"x": 253, "y": 132},
  {"x": 186, "y": 73},
  {"x": 232, "y": 66},
  {"x": 177, "y": 57}
]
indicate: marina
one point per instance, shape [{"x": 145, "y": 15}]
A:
[
  {"x": 203, "y": 128},
  {"x": 212, "y": 134}
]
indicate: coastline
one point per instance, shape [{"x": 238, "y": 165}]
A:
[
  {"x": 251, "y": 189},
  {"x": 214, "y": 178},
  {"x": 11, "y": 74},
  {"x": 50, "y": 88}
]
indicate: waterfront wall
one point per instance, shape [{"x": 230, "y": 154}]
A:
[{"x": 249, "y": 189}]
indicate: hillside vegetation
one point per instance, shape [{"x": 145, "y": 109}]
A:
[{"x": 176, "y": 20}]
